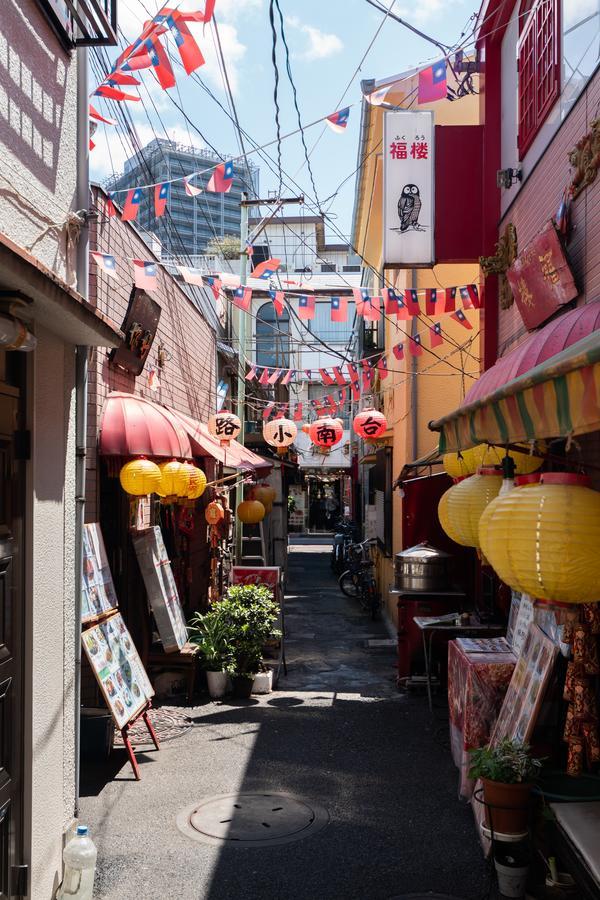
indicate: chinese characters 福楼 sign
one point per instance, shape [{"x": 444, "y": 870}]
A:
[
  {"x": 540, "y": 278},
  {"x": 408, "y": 188}
]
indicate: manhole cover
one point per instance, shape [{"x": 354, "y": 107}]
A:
[{"x": 252, "y": 820}]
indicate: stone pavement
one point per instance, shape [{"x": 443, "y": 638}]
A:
[{"x": 337, "y": 733}]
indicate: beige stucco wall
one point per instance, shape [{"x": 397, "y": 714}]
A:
[
  {"x": 38, "y": 106},
  {"x": 49, "y": 777}
]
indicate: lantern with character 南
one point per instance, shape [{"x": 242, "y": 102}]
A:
[{"x": 326, "y": 433}]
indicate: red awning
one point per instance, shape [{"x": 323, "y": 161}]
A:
[
  {"x": 553, "y": 338},
  {"x": 134, "y": 426},
  {"x": 234, "y": 456}
]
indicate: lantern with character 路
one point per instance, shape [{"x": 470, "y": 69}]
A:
[{"x": 225, "y": 427}]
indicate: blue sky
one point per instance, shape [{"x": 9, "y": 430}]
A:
[{"x": 327, "y": 39}]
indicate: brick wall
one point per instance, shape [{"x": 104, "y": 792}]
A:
[
  {"x": 537, "y": 202},
  {"x": 188, "y": 379}
]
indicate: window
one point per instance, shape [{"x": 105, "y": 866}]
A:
[
  {"x": 539, "y": 66},
  {"x": 328, "y": 267},
  {"x": 350, "y": 268},
  {"x": 87, "y": 23},
  {"x": 272, "y": 337}
]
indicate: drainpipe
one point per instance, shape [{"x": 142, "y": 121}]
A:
[
  {"x": 414, "y": 366},
  {"x": 81, "y": 380}
]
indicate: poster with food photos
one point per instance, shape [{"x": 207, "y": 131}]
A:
[
  {"x": 161, "y": 589},
  {"x": 118, "y": 668},
  {"x": 98, "y": 590}
]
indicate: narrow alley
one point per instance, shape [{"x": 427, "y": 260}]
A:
[{"x": 337, "y": 735}]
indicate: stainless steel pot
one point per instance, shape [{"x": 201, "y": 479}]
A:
[{"x": 422, "y": 568}]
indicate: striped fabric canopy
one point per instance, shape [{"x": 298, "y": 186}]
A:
[{"x": 558, "y": 397}]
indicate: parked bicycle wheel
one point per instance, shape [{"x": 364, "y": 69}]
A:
[{"x": 350, "y": 585}]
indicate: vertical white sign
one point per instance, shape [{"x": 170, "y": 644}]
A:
[{"x": 408, "y": 188}]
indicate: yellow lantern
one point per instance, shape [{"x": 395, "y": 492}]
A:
[
  {"x": 250, "y": 512},
  {"x": 458, "y": 465},
  {"x": 174, "y": 479},
  {"x": 489, "y": 455},
  {"x": 196, "y": 481},
  {"x": 544, "y": 539},
  {"x": 140, "y": 477},
  {"x": 444, "y": 519},
  {"x": 464, "y": 504}
]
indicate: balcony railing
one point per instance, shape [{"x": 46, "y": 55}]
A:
[{"x": 82, "y": 23}]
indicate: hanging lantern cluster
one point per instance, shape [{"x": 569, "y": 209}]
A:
[
  {"x": 173, "y": 479},
  {"x": 370, "y": 424},
  {"x": 280, "y": 433},
  {"x": 326, "y": 432},
  {"x": 461, "y": 507},
  {"x": 265, "y": 494},
  {"x": 224, "y": 427},
  {"x": 250, "y": 512},
  {"x": 467, "y": 462},
  {"x": 544, "y": 539}
]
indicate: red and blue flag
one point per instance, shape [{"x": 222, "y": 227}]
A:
[
  {"x": 106, "y": 262},
  {"x": 266, "y": 269},
  {"x": 306, "y": 307},
  {"x": 132, "y": 205},
  {"x": 242, "y": 298},
  {"x": 339, "y": 309},
  {"x": 435, "y": 335},
  {"x": 161, "y": 198},
  {"x": 338, "y": 121},
  {"x": 146, "y": 275},
  {"x": 277, "y": 298},
  {"x": 221, "y": 179},
  {"x": 432, "y": 83}
]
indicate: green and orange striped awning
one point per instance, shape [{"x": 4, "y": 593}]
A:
[{"x": 558, "y": 397}]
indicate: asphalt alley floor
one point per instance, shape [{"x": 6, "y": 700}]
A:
[{"x": 337, "y": 733}]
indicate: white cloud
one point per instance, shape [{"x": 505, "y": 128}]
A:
[
  {"x": 320, "y": 44},
  {"x": 424, "y": 11}
]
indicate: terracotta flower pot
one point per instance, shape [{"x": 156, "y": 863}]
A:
[{"x": 506, "y": 806}]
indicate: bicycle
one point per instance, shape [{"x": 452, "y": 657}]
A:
[{"x": 358, "y": 581}]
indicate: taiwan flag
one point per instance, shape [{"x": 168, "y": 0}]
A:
[
  {"x": 339, "y": 309},
  {"x": 242, "y": 298},
  {"x": 382, "y": 368},
  {"x": 398, "y": 351},
  {"x": 450, "y": 304},
  {"x": 146, "y": 275},
  {"x": 338, "y": 121},
  {"x": 414, "y": 345},
  {"x": 432, "y": 83},
  {"x": 372, "y": 310},
  {"x": 251, "y": 374},
  {"x": 435, "y": 335},
  {"x": 338, "y": 375},
  {"x": 132, "y": 205},
  {"x": 326, "y": 377},
  {"x": 470, "y": 296},
  {"x": 191, "y": 189},
  {"x": 277, "y": 298},
  {"x": 431, "y": 302},
  {"x": 411, "y": 298},
  {"x": 161, "y": 197},
  {"x": 110, "y": 206},
  {"x": 266, "y": 269},
  {"x": 306, "y": 307},
  {"x": 390, "y": 301},
  {"x": 361, "y": 298},
  {"x": 190, "y": 54},
  {"x": 288, "y": 376},
  {"x": 460, "y": 317},
  {"x": 221, "y": 179},
  {"x": 298, "y": 413},
  {"x": 106, "y": 262}
]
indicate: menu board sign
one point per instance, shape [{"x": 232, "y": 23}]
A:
[
  {"x": 98, "y": 591},
  {"x": 268, "y": 575},
  {"x": 161, "y": 588},
  {"x": 118, "y": 668}
]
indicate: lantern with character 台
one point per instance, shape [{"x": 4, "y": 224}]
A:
[
  {"x": 225, "y": 427},
  {"x": 326, "y": 432},
  {"x": 280, "y": 433},
  {"x": 370, "y": 424}
]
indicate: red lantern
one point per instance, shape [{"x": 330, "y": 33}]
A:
[
  {"x": 214, "y": 512},
  {"x": 370, "y": 424},
  {"x": 326, "y": 432}
]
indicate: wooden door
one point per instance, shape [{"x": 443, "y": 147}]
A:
[{"x": 13, "y": 876}]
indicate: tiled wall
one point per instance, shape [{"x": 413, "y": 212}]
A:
[
  {"x": 537, "y": 202},
  {"x": 188, "y": 379}
]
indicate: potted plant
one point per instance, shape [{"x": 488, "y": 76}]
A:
[
  {"x": 507, "y": 772},
  {"x": 250, "y": 613},
  {"x": 210, "y": 631}
]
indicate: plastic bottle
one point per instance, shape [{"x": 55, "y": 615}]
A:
[{"x": 80, "y": 867}]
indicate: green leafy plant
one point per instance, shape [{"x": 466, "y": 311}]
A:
[
  {"x": 250, "y": 613},
  {"x": 291, "y": 503},
  {"x": 509, "y": 762},
  {"x": 212, "y": 634},
  {"x": 227, "y": 247}
]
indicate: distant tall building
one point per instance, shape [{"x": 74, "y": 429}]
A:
[{"x": 190, "y": 222}]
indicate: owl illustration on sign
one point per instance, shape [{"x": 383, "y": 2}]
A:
[{"x": 409, "y": 207}]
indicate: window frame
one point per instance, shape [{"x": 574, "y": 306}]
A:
[{"x": 529, "y": 62}]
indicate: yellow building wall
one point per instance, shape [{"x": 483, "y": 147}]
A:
[{"x": 431, "y": 386}]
